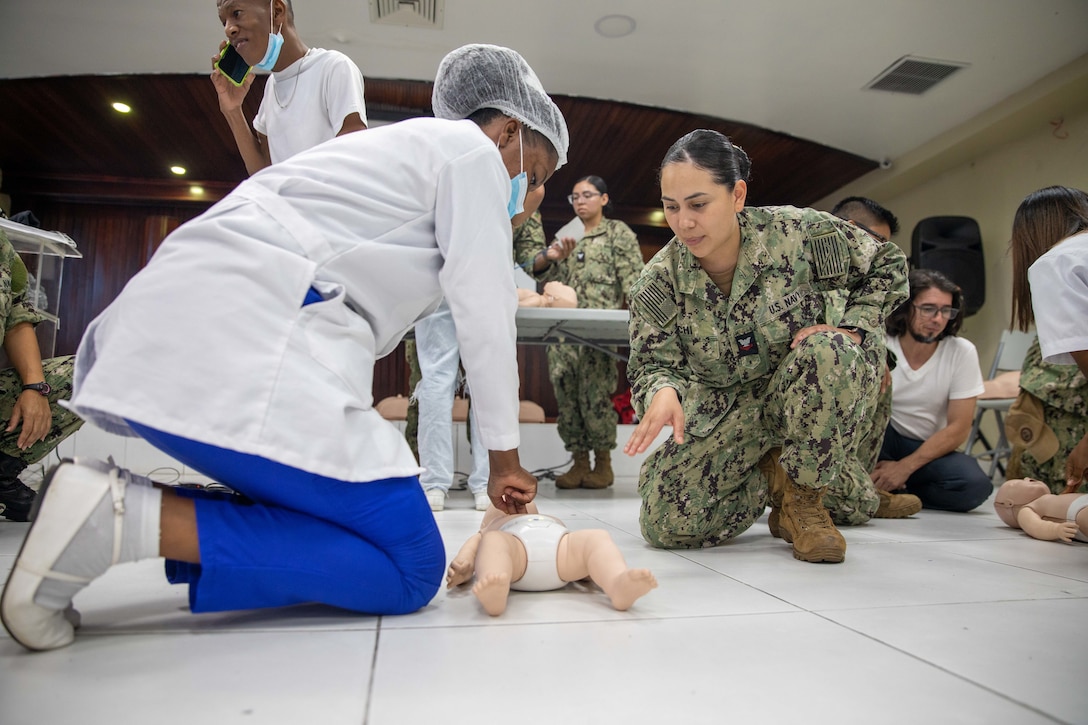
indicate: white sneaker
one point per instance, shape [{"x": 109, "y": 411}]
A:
[
  {"x": 69, "y": 496},
  {"x": 436, "y": 497},
  {"x": 482, "y": 501}
]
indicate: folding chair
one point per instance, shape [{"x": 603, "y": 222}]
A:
[{"x": 1011, "y": 351}]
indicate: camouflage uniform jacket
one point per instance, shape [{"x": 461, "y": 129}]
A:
[
  {"x": 529, "y": 242},
  {"x": 14, "y": 306},
  {"x": 603, "y": 266},
  {"x": 797, "y": 267}
]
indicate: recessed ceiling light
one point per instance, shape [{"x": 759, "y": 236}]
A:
[
  {"x": 196, "y": 190},
  {"x": 121, "y": 107},
  {"x": 615, "y": 26},
  {"x": 179, "y": 170}
]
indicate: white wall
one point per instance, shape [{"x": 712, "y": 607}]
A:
[{"x": 988, "y": 189}]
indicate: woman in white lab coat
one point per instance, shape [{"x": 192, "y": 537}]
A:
[{"x": 245, "y": 350}]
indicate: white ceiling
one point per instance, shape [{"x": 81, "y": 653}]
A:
[{"x": 796, "y": 66}]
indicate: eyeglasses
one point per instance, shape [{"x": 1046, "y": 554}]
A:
[
  {"x": 584, "y": 196},
  {"x": 930, "y": 311},
  {"x": 874, "y": 235}
]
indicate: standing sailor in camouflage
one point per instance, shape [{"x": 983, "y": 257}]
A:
[
  {"x": 29, "y": 390},
  {"x": 531, "y": 254},
  {"x": 755, "y": 329},
  {"x": 603, "y": 266}
]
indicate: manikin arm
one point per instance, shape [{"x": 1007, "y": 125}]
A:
[
  {"x": 464, "y": 564},
  {"x": 1040, "y": 528}
]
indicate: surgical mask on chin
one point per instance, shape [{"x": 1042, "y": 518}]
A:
[
  {"x": 275, "y": 45},
  {"x": 519, "y": 185}
]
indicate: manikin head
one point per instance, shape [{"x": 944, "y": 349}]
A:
[{"x": 1014, "y": 494}]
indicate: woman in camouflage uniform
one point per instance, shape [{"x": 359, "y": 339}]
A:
[
  {"x": 601, "y": 269},
  {"x": 755, "y": 330}
]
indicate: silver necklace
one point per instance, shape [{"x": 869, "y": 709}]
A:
[{"x": 294, "y": 88}]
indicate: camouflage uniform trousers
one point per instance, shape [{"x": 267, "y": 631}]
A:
[
  {"x": 584, "y": 380},
  {"x": 58, "y": 373},
  {"x": 1063, "y": 394},
  {"x": 873, "y": 439},
  {"x": 1069, "y": 428},
  {"x": 411, "y": 423},
  {"x": 411, "y": 420},
  {"x": 815, "y": 407}
]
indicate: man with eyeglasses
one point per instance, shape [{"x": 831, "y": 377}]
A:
[{"x": 935, "y": 384}]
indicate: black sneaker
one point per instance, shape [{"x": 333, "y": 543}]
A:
[{"x": 16, "y": 500}]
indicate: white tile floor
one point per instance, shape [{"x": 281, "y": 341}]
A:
[{"x": 942, "y": 618}]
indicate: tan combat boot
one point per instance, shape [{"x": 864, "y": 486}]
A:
[
  {"x": 602, "y": 475},
  {"x": 806, "y": 524},
  {"x": 897, "y": 505},
  {"x": 573, "y": 478},
  {"x": 776, "y": 484}
]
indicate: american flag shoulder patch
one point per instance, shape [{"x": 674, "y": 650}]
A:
[
  {"x": 658, "y": 305},
  {"x": 830, "y": 256}
]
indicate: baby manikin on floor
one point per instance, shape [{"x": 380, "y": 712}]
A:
[{"x": 534, "y": 552}]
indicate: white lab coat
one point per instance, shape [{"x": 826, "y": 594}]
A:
[
  {"x": 211, "y": 342},
  {"x": 1059, "y": 297}
]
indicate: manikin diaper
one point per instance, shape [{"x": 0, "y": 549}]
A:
[{"x": 540, "y": 535}]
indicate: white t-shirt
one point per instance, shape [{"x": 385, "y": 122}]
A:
[
  {"x": 920, "y": 397},
  {"x": 306, "y": 103},
  {"x": 1059, "y": 297}
]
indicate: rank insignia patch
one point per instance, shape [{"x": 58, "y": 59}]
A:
[{"x": 746, "y": 345}]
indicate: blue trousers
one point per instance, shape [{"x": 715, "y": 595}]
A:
[
  {"x": 953, "y": 482},
  {"x": 299, "y": 538}
]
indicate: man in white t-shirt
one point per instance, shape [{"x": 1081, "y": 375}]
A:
[
  {"x": 935, "y": 384},
  {"x": 313, "y": 94}
]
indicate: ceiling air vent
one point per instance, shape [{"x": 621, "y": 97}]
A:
[
  {"x": 914, "y": 75},
  {"x": 413, "y": 13}
]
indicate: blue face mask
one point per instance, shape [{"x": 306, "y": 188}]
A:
[
  {"x": 519, "y": 185},
  {"x": 275, "y": 45}
]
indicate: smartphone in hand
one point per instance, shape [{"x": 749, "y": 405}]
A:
[{"x": 232, "y": 65}]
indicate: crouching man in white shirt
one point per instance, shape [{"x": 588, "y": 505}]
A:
[{"x": 934, "y": 388}]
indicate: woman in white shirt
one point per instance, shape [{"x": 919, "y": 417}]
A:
[
  {"x": 1049, "y": 250},
  {"x": 242, "y": 350}
]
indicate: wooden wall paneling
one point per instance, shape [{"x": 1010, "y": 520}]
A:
[
  {"x": 391, "y": 375},
  {"x": 156, "y": 227},
  {"x": 103, "y": 178}
]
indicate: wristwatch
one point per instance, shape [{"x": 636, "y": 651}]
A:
[
  {"x": 851, "y": 328},
  {"x": 42, "y": 388}
]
